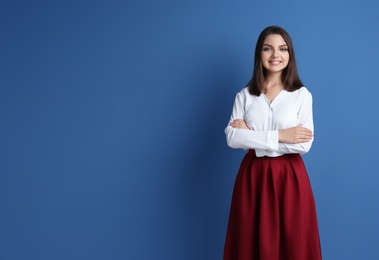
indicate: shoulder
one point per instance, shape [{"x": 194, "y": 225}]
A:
[
  {"x": 302, "y": 92},
  {"x": 244, "y": 93},
  {"x": 299, "y": 96},
  {"x": 244, "y": 96}
]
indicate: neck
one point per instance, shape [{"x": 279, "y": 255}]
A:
[{"x": 274, "y": 80}]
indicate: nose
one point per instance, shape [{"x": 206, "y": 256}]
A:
[{"x": 275, "y": 53}]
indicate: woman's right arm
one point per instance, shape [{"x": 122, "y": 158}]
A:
[{"x": 238, "y": 136}]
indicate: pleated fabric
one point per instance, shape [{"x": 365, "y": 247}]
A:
[{"x": 273, "y": 213}]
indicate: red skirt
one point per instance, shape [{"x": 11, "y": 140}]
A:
[{"x": 273, "y": 213}]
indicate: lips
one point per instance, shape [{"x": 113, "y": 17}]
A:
[{"x": 275, "y": 62}]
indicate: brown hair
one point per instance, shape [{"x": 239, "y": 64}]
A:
[{"x": 290, "y": 76}]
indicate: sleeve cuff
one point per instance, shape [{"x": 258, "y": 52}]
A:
[{"x": 273, "y": 140}]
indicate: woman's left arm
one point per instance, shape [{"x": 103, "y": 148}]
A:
[{"x": 305, "y": 118}]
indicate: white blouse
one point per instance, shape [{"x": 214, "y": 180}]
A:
[{"x": 265, "y": 119}]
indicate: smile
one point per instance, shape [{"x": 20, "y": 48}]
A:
[{"x": 275, "y": 62}]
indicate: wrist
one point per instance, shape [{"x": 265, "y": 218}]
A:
[{"x": 280, "y": 135}]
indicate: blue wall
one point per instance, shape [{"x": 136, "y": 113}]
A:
[{"x": 112, "y": 119}]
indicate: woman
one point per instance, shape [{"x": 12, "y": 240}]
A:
[{"x": 273, "y": 214}]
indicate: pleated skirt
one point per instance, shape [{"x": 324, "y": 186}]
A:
[{"x": 273, "y": 213}]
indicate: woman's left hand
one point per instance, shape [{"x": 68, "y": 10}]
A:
[{"x": 239, "y": 123}]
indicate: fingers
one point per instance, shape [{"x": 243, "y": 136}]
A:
[
  {"x": 239, "y": 123},
  {"x": 303, "y": 134},
  {"x": 306, "y": 132}
]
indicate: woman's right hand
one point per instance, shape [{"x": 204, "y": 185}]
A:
[{"x": 295, "y": 135}]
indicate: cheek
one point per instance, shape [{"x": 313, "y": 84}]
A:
[
  {"x": 286, "y": 59},
  {"x": 265, "y": 56}
]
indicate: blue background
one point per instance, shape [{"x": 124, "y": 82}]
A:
[{"x": 112, "y": 118}]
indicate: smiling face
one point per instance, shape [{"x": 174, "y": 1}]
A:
[{"x": 275, "y": 55}]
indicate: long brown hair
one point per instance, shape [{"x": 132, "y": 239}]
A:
[{"x": 290, "y": 76}]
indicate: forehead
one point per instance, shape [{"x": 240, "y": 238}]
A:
[{"x": 274, "y": 39}]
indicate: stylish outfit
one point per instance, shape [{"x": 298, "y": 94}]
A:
[{"x": 273, "y": 214}]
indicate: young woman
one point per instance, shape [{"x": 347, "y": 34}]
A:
[{"x": 273, "y": 214}]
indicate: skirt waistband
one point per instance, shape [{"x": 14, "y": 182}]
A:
[{"x": 287, "y": 156}]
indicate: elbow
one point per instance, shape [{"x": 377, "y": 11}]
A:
[
  {"x": 231, "y": 140},
  {"x": 231, "y": 143},
  {"x": 305, "y": 147},
  {"x": 303, "y": 151}
]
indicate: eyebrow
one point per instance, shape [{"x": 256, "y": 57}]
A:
[{"x": 283, "y": 45}]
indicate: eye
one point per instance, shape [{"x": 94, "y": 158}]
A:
[
  {"x": 284, "y": 49},
  {"x": 266, "y": 49}
]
